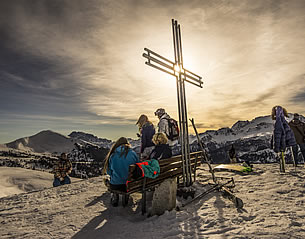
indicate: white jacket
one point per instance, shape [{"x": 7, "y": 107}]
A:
[{"x": 163, "y": 127}]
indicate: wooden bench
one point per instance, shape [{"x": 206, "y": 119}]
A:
[{"x": 169, "y": 168}]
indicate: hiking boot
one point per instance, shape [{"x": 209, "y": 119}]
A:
[
  {"x": 125, "y": 199},
  {"x": 115, "y": 200}
]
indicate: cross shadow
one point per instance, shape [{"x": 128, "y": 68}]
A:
[{"x": 109, "y": 220}]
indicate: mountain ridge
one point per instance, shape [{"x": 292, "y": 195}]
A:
[{"x": 246, "y": 135}]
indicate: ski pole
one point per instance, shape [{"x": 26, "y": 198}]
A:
[
  {"x": 204, "y": 154},
  {"x": 283, "y": 161},
  {"x": 293, "y": 159}
]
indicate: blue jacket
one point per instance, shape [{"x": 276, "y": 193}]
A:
[
  {"x": 147, "y": 132},
  {"x": 282, "y": 135},
  {"x": 119, "y": 165}
]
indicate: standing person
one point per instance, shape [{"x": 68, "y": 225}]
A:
[
  {"x": 298, "y": 128},
  {"x": 283, "y": 136},
  {"x": 62, "y": 168},
  {"x": 162, "y": 149},
  {"x": 232, "y": 155},
  {"x": 147, "y": 131},
  {"x": 168, "y": 126},
  {"x": 117, "y": 162}
]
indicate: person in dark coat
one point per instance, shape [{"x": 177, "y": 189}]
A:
[
  {"x": 283, "y": 136},
  {"x": 162, "y": 150},
  {"x": 298, "y": 128},
  {"x": 147, "y": 131}
]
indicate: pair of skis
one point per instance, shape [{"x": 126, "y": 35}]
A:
[
  {"x": 217, "y": 186},
  {"x": 225, "y": 191}
]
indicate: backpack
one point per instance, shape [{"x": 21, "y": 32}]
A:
[{"x": 173, "y": 129}]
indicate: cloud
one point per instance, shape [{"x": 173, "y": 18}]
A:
[
  {"x": 80, "y": 61},
  {"x": 297, "y": 97}
]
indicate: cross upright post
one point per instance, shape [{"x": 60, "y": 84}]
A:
[{"x": 182, "y": 75}]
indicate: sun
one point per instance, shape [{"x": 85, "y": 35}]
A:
[{"x": 177, "y": 68}]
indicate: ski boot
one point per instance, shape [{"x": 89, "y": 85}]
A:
[{"x": 115, "y": 199}]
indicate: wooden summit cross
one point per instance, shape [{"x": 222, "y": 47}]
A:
[{"x": 182, "y": 75}]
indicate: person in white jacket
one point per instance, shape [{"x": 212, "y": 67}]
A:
[{"x": 163, "y": 124}]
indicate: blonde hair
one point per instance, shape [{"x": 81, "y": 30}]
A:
[
  {"x": 159, "y": 138},
  {"x": 143, "y": 119},
  {"x": 121, "y": 141},
  {"x": 273, "y": 112}
]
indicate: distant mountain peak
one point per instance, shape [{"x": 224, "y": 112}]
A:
[
  {"x": 240, "y": 124},
  {"x": 49, "y": 132},
  {"x": 46, "y": 141},
  {"x": 105, "y": 143}
]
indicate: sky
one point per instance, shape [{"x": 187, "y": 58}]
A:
[{"x": 78, "y": 66}]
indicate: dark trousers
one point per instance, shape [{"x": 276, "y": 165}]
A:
[
  {"x": 115, "y": 196},
  {"x": 119, "y": 187},
  {"x": 57, "y": 182},
  {"x": 295, "y": 150}
]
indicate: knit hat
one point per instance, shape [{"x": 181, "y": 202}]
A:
[
  {"x": 296, "y": 116},
  {"x": 160, "y": 112}
]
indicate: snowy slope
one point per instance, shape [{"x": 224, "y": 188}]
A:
[
  {"x": 260, "y": 126},
  {"x": 273, "y": 208},
  {"x": 102, "y": 142},
  {"x": 19, "y": 180},
  {"x": 251, "y": 140}
]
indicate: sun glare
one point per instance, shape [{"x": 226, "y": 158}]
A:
[{"x": 177, "y": 68}]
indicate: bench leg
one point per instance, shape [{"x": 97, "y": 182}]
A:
[
  {"x": 143, "y": 202},
  {"x": 144, "y": 197}
]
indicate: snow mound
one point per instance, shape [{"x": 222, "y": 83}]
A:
[{"x": 19, "y": 180}]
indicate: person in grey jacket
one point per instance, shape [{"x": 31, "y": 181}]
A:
[{"x": 163, "y": 124}]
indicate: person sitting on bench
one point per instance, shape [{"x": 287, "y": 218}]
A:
[
  {"x": 117, "y": 162},
  {"x": 162, "y": 149}
]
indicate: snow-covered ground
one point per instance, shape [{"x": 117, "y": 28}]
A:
[
  {"x": 19, "y": 180},
  {"x": 273, "y": 208},
  {"x": 3, "y": 147}
]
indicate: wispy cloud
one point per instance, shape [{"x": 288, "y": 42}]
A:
[{"x": 80, "y": 61}]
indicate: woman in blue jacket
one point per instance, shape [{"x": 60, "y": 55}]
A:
[{"x": 117, "y": 162}]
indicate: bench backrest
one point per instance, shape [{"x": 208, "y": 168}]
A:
[{"x": 171, "y": 167}]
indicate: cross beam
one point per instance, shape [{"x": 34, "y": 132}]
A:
[
  {"x": 182, "y": 75},
  {"x": 171, "y": 68}
]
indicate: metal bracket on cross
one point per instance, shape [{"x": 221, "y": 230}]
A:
[{"x": 182, "y": 75}]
